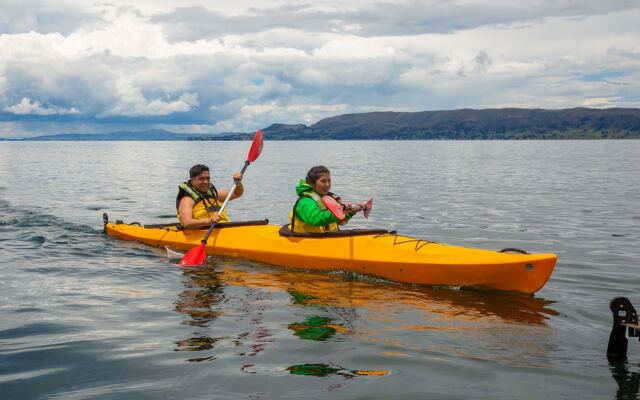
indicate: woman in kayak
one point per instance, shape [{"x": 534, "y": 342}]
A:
[
  {"x": 309, "y": 214},
  {"x": 198, "y": 201}
]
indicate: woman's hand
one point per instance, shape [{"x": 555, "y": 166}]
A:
[{"x": 351, "y": 208}]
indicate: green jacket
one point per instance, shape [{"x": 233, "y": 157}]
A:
[
  {"x": 313, "y": 212},
  {"x": 308, "y": 210}
]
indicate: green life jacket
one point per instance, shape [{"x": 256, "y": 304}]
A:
[{"x": 299, "y": 226}]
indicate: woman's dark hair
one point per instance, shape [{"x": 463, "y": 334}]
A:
[
  {"x": 314, "y": 174},
  {"x": 197, "y": 170}
]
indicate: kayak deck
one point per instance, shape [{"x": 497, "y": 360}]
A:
[{"x": 387, "y": 255}]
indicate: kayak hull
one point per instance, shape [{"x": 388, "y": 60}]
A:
[{"x": 388, "y": 255}]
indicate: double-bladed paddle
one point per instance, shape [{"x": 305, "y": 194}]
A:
[{"x": 198, "y": 255}]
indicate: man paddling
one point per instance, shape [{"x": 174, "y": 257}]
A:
[{"x": 198, "y": 201}]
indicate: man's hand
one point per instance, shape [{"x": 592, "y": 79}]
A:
[{"x": 216, "y": 218}]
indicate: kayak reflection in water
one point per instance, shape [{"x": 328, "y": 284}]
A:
[
  {"x": 310, "y": 214},
  {"x": 198, "y": 201}
]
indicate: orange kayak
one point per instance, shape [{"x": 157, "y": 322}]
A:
[{"x": 376, "y": 253}]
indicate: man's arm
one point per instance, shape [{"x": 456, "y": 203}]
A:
[{"x": 223, "y": 193}]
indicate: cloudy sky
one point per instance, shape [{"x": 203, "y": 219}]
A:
[{"x": 235, "y": 66}]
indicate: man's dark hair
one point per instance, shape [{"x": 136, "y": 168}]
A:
[
  {"x": 197, "y": 170},
  {"x": 314, "y": 173}
]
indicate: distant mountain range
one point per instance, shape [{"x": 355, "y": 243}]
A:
[
  {"x": 150, "y": 135},
  {"x": 505, "y": 123},
  {"x": 464, "y": 124}
]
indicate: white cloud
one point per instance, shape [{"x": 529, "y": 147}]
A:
[
  {"x": 248, "y": 64},
  {"x": 132, "y": 103},
  {"x": 599, "y": 101},
  {"x": 28, "y": 107},
  {"x": 127, "y": 35},
  {"x": 349, "y": 48},
  {"x": 3, "y": 87},
  {"x": 246, "y": 117}
]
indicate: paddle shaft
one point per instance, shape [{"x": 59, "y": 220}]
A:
[
  {"x": 357, "y": 207},
  {"x": 364, "y": 207},
  {"x": 224, "y": 205}
]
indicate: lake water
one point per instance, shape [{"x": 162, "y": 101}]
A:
[{"x": 83, "y": 315}]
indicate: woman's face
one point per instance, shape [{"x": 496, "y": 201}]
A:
[{"x": 323, "y": 184}]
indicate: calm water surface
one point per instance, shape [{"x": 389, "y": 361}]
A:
[{"x": 83, "y": 315}]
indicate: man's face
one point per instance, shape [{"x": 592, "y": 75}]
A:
[{"x": 201, "y": 182}]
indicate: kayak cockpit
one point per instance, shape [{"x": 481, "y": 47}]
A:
[{"x": 285, "y": 231}]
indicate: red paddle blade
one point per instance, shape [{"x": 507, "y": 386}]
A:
[
  {"x": 333, "y": 206},
  {"x": 194, "y": 257},
  {"x": 367, "y": 208},
  {"x": 256, "y": 146}
]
